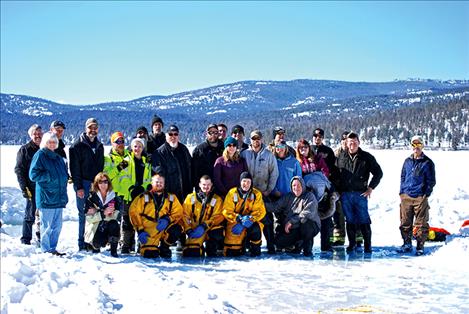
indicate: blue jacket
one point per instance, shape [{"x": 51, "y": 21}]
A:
[
  {"x": 287, "y": 169},
  {"x": 49, "y": 172},
  {"x": 417, "y": 176}
]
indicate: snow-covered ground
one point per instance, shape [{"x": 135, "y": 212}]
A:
[{"x": 387, "y": 282}]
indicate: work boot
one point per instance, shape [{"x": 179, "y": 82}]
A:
[
  {"x": 114, "y": 241},
  {"x": 419, "y": 250},
  {"x": 255, "y": 250},
  {"x": 351, "y": 235}
]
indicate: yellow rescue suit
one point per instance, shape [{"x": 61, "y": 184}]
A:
[
  {"x": 144, "y": 216},
  {"x": 234, "y": 205},
  {"x": 196, "y": 213}
]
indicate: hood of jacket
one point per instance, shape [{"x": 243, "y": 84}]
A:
[{"x": 302, "y": 182}]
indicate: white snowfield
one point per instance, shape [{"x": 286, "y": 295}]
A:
[{"x": 437, "y": 282}]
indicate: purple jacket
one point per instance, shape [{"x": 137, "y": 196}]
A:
[{"x": 226, "y": 174}]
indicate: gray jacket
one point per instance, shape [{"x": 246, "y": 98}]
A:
[
  {"x": 262, "y": 167},
  {"x": 297, "y": 209}
]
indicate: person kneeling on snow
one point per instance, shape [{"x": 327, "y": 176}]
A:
[
  {"x": 103, "y": 210},
  {"x": 157, "y": 217},
  {"x": 302, "y": 222},
  {"x": 243, "y": 208},
  {"x": 203, "y": 220}
]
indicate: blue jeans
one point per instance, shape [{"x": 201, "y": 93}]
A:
[
  {"x": 355, "y": 208},
  {"x": 81, "y": 214},
  {"x": 51, "y": 225},
  {"x": 28, "y": 221}
]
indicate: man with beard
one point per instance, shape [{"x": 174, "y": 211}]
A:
[
  {"x": 157, "y": 217},
  {"x": 28, "y": 188},
  {"x": 173, "y": 161},
  {"x": 86, "y": 161},
  {"x": 205, "y": 154},
  {"x": 157, "y": 138},
  {"x": 203, "y": 220}
]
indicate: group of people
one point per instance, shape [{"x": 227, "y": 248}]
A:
[{"x": 221, "y": 199}]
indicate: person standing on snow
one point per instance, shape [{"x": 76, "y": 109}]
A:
[
  {"x": 49, "y": 172},
  {"x": 354, "y": 167},
  {"x": 86, "y": 161},
  {"x": 417, "y": 182},
  {"x": 28, "y": 187}
]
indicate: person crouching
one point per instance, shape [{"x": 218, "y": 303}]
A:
[
  {"x": 203, "y": 220},
  {"x": 302, "y": 222},
  {"x": 103, "y": 210},
  {"x": 157, "y": 217},
  {"x": 243, "y": 209}
]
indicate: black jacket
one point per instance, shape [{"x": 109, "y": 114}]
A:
[
  {"x": 203, "y": 160},
  {"x": 61, "y": 149},
  {"x": 354, "y": 172},
  {"x": 23, "y": 163},
  {"x": 155, "y": 142},
  {"x": 175, "y": 165},
  {"x": 84, "y": 163}
]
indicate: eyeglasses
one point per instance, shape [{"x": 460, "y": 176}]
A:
[
  {"x": 119, "y": 141},
  {"x": 103, "y": 182},
  {"x": 92, "y": 127},
  {"x": 212, "y": 133},
  {"x": 231, "y": 145},
  {"x": 419, "y": 145},
  {"x": 173, "y": 134}
]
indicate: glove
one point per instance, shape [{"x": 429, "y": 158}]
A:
[
  {"x": 237, "y": 229},
  {"x": 122, "y": 165},
  {"x": 163, "y": 223},
  {"x": 27, "y": 194},
  {"x": 197, "y": 232},
  {"x": 136, "y": 191},
  {"x": 247, "y": 222},
  {"x": 143, "y": 237}
]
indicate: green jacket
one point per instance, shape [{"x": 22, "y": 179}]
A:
[
  {"x": 110, "y": 167},
  {"x": 127, "y": 177}
]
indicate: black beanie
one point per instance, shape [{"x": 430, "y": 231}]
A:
[
  {"x": 155, "y": 119},
  {"x": 245, "y": 175}
]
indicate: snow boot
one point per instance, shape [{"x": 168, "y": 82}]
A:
[
  {"x": 255, "y": 250},
  {"x": 114, "y": 242},
  {"x": 366, "y": 232},
  {"x": 351, "y": 235}
]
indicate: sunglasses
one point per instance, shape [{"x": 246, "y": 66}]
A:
[
  {"x": 119, "y": 141},
  {"x": 212, "y": 133},
  {"x": 173, "y": 134},
  {"x": 255, "y": 138},
  {"x": 231, "y": 145},
  {"x": 103, "y": 182},
  {"x": 281, "y": 146},
  {"x": 317, "y": 135},
  {"x": 419, "y": 145}
]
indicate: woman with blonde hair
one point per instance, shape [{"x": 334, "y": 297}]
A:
[
  {"x": 103, "y": 209},
  {"x": 228, "y": 168}
]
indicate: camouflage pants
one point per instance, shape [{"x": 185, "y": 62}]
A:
[{"x": 414, "y": 208}]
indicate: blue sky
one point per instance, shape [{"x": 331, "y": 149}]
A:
[{"x": 89, "y": 52}]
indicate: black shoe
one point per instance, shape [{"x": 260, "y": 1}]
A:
[
  {"x": 165, "y": 251},
  {"x": 55, "y": 253},
  {"x": 351, "y": 249},
  {"x": 25, "y": 242},
  {"x": 307, "y": 253},
  {"x": 114, "y": 254},
  {"x": 125, "y": 250}
]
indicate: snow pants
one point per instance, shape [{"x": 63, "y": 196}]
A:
[{"x": 410, "y": 208}]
